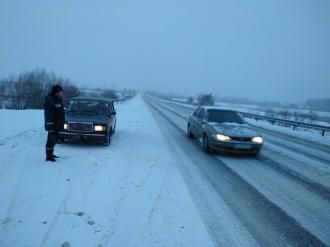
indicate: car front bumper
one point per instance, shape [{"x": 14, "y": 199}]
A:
[
  {"x": 235, "y": 147},
  {"x": 81, "y": 135}
]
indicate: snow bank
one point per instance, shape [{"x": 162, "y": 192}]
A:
[
  {"x": 305, "y": 134},
  {"x": 14, "y": 122}
]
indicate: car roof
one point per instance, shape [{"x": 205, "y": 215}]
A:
[
  {"x": 218, "y": 108},
  {"x": 93, "y": 98}
]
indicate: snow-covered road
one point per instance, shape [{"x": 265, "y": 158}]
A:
[
  {"x": 280, "y": 198},
  {"x": 154, "y": 187},
  {"x": 127, "y": 194}
]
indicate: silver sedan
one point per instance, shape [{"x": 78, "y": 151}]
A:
[{"x": 223, "y": 130}]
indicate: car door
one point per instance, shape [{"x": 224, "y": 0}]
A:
[
  {"x": 193, "y": 121},
  {"x": 200, "y": 121}
]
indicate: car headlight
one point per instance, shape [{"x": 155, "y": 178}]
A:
[
  {"x": 257, "y": 139},
  {"x": 99, "y": 128},
  {"x": 223, "y": 138},
  {"x": 65, "y": 126}
]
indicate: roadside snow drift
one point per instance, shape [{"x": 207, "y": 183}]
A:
[
  {"x": 14, "y": 122},
  {"x": 127, "y": 194}
]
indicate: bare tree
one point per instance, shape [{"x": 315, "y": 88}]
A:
[
  {"x": 190, "y": 100},
  {"x": 28, "y": 89},
  {"x": 110, "y": 94},
  {"x": 205, "y": 99},
  {"x": 35, "y": 83},
  {"x": 70, "y": 90},
  {"x": 18, "y": 92}
]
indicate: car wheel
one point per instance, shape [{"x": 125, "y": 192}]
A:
[
  {"x": 107, "y": 140},
  {"x": 114, "y": 128},
  {"x": 205, "y": 144},
  {"x": 256, "y": 154},
  {"x": 189, "y": 133}
]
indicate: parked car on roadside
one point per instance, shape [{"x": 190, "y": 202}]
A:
[
  {"x": 89, "y": 118},
  {"x": 223, "y": 130}
]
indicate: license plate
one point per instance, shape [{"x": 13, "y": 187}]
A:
[{"x": 243, "y": 146}]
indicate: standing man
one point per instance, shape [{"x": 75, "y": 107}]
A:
[{"x": 54, "y": 119}]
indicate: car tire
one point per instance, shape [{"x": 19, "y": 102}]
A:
[
  {"x": 206, "y": 144},
  {"x": 256, "y": 154},
  {"x": 107, "y": 140},
  {"x": 189, "y": 133},
  {"x": 114, "y": 128}
]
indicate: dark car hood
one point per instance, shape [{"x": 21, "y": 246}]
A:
[
  {"x": 235, "y": 130},
  {"x": 90, "y": 118}
]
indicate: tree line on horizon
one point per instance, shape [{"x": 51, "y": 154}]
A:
[{"x": 27, "y": 90}]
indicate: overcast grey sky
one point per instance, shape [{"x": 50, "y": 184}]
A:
[{"x": 260, "y": 49}]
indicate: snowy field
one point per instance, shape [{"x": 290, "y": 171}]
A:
[
  {"x": 262, "y": 110},
  {"x": 127, "y": 194}
]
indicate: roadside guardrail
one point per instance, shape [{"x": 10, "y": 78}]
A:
[
  {"x": 273, "y": 120},
  {"x": 290, "y": 123}
]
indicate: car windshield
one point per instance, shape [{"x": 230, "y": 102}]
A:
[
  {"x": 88, "y": 107},
  {"x": 220, "y": 116}
]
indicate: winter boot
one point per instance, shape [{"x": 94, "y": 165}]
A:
[{"x": 50, "y": 156}]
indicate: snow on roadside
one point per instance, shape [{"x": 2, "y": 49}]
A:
[
  {"x": 305, "y": 134},
  {"x": 14, "y": 122},
  {"x": 128, "y": 194},
  {"x": 261, "y": 110}
]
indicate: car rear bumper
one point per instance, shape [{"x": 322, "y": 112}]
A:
[
  {"x": 235, "y": 147},
  {"x": 80, "y": 135}
]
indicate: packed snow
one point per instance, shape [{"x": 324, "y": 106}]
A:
[{"x": 127, "y": 194}]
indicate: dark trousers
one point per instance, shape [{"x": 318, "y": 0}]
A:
[{"x": 51, "y": 142}]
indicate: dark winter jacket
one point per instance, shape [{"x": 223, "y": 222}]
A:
[{"x": 54, "y": 113}]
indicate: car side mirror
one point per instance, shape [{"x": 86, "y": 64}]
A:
[{"x": 114, "y": 113}]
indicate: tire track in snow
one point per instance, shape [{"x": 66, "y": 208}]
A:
[
  {"x": 72, "y": 192},
  {"x": 8, "y": 161},
  {"x": 307, "y": 208}
]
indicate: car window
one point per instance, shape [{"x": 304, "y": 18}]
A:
[
  {"x": 196, "y": 112},
  {"x": 201, "y": 114},
  {"x": 221, "y": 116},
  {"x": 89, "y": 107}
]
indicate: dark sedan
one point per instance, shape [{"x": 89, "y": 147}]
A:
[
  {"x": 223, "y": 130},
  {"x": 90, "y": 118}
]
